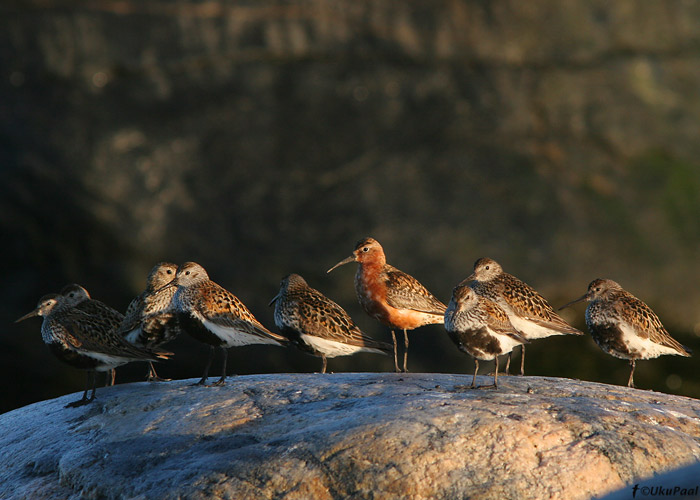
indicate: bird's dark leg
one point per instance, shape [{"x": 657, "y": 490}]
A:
[
  {"x": 522, "y": 360},
  {"x": 630, "y": 382},
  {"x": 94, "y": 385},
  {"x": 476, "y": 370},
  {"x": 325, "y": 362},
  {"x": 507, "y": 370},
  {"x": 396, "y": 359},
  {"x": 405, "y": 352},
  {"x": 203, "y": 380},
  {"x": 222, "y": 380},
  {"x": 84, "y": 400},
  {"x": 495, "y": 377}
]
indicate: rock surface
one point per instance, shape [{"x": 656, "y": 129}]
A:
[
  {"x": 380, "y": 435},
  {"x": 678, "y": 483}
]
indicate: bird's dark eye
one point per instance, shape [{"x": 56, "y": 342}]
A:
[
  {"x": 366, "y": 249},
  {"x": 169, "y": 271},
  {"x": 187, "y": 273},
  {"x": 486, "y": 267}
]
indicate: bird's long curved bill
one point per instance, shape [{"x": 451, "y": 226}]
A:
[
  {"x": 344, "y": 261},
  {"x": 35, "y": 312},
  {"x": 580, "y": 299},
  {"x": 274, "y": 299},
  {"x": 467, "y": 280}
]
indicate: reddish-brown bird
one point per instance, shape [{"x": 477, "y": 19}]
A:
[{"x": 390, "y": 296}]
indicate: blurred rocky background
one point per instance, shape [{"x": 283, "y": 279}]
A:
[{"x": 263, "y": 138}]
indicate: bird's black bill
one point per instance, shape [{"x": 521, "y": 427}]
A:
[
  {"x": 344, "y": 261},
  {"x": 580, "y": 299}
]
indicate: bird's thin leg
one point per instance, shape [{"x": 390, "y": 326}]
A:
[
  {"x": 522, "y": 360},
  {"x": 84, "y": 400},
  {"x": 630, "y": 382},
  {"x": 94, "y": 385},
  {"x": 222, "y": 380},
  {"x": 495, "y": 377},
  {"x": 325, "y": 362},
  {"x": 396, "y": 359},
  {"x": 153, "y": 375},
  {"x": 110, "y": 376},
  {"x": 203, "y": 380},
  {"x": 507, "y": 370},
  {"x": 476, "y": 369},
  {"x": 405, "y": 351}
]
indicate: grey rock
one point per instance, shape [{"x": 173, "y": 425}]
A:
[{"x": 357, "y": 435}]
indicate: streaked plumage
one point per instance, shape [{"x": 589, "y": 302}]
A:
[
  {"x": 624, "y": 326},
  {"x": 215, "y": 316},
  {"x": 480, "y": 327},
  {"x": 317, "y": 325},
  {"x": 83, "y": 339},
  {"x": 150, "y": 321},
  {"x": 78, "y": 297},
  {"x": 392, "y": 297},
  {"x": 527, "y": 310}
]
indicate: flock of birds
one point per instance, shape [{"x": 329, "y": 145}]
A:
[{"x": 489, "y": 314}]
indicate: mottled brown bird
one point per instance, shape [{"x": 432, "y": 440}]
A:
[
  {"x": 150, "y": 321},
  {"x": 480, "y": 327},
  {"x": 316, "y": 324},
  {"x": 624, "y": 326},
  {"x": 527, "y": 310},
  {"x": 84, "y": 340},
  {"x": 78, "y": 297},
  {"x": 215, "y": 316},
  {"x": 392, "y": 297}
]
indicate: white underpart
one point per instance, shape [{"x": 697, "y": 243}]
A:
[
  {"x": 530, "y": 330},
  {"x": 331, "y": 348},
  {"x": 506, "y": 342},
  {"x": 108, "y": 361},
  {"x": 645, "y": 348},
  {"x": 133, "y": 335},
  {"x": 234, "y": 337}
]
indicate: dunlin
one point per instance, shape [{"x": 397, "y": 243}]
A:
[
  {"x": 624, "y": 326},
  {"x": 317, "y": 325}
]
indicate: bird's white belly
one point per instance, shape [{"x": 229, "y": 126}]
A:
[
  {"x": 108, "y": 361},
  {"x": 133, "y": 335},
  {"x": 531, "y": 330},
  {"x": 331, "y": 348},
  {"x": 233, "y": 337},
  {"x": 642, "y": 348}
]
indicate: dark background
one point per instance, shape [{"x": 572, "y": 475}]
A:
[{"x": 264, "y": 138}]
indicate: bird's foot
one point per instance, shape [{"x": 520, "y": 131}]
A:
[{"x": 80, "y": 402}]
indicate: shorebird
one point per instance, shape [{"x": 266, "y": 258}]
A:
[
  {"x": 527, "y": 310},
  {"x": 392, "y": 297},
  {"x": 480, "y": 328},
  {"x": 317, "y": 325},
  {"x": 215, "y": 316},
  {"x": 78, "y": 297},
  {"x": 624, "y": 326},
  {"x": 149, "y": 320},
  {"x": 85, "y": 341}
]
